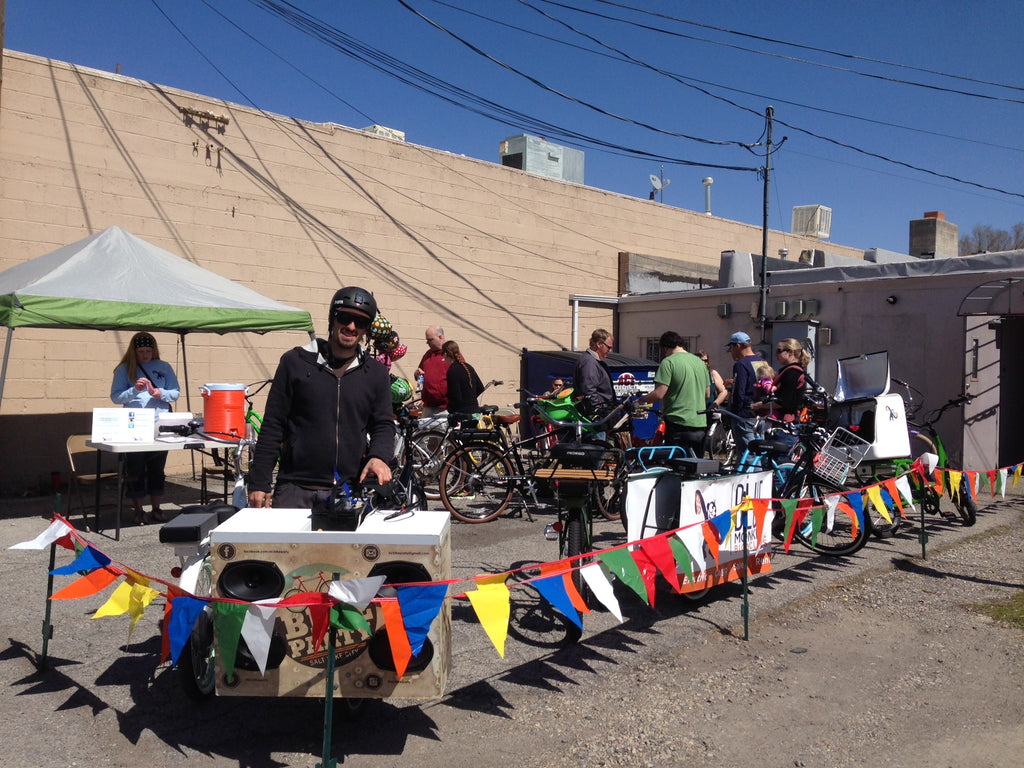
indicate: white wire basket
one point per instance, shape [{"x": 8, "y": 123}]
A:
[{"x": 840, "y": 454}]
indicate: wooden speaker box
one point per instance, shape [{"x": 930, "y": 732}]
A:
[{"x": 266, "y": 553}]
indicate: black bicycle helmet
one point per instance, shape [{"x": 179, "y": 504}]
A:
[{"x": 355, "y": 298}]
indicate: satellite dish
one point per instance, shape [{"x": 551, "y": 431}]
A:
[{"x": 655, "y": 182}]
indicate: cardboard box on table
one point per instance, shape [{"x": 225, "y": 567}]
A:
[{"x": 265, "y": 553}]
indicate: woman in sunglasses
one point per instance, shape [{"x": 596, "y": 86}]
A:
[{"x": 791, "y": 380}]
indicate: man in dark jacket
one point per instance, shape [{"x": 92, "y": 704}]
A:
[
  {"x": 325, "y": 399},
  {"x": 744, "y": 376},
  {"x": 592, "y": 381}
]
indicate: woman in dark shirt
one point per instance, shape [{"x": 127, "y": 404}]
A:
[
  {"x": 464, "y": 386},
  {"x": 790, "y": 383}
]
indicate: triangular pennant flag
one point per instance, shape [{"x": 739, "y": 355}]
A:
[
  {"x": 56, "y": 530},
  {"x": 342, "y": 616},
  {"x": 903, "y": 485},
  {"x": 184, "y": 611},
  {"x": 875, "y": 495},
  {"x": 420, "y": 606},
  {"x": 648, "y": 572},
  {"x": 856, "y": 502},
  {"x": 760, "y": 507},
  {"x": 356, "y": 592},
  {"x": 90, "y": 584},
  {"x": 1002, "y": 482},
  {"x": 682, "y": 557},
  {"x": 817, "y": 518},
  {"x": 1016, "y": 474},
  {"x": 139, "y": 599},
  {"x": 692, "y": 537},
  {"x": 659, "y": 552},
  {"x": 710, "y": 533},
  {"x": 596, "y": 578},
  {"x": 831, "y": 503},
  {"x": 398, "y": 639},
  {"x": 724, "y": 523},
  {"x": 567, "y": 571},
  {"x": 955, "y": 484},
  {"x": 227, "y": 626},
  {"x": 972, "y": 483},
  {"x": 789, "y": 508},
  {"x": 938, "y": 481},
  {"x": 117, "y": 603},
  {"x": 165, "y": 635},
  {"x": 992, "y": 480},
  {"x": 89, "y": 560},
  {"x": 552, "y": 589},
  {"x": 490, "y": 600},
  {"x": 929, "y": 461},
  {"x": 892, "y": 493},
  {"x": 624, "y": 568},
  {"x": 258, "y": 630}
]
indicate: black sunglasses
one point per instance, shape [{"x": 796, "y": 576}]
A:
[{"x": 362, "y": 322}]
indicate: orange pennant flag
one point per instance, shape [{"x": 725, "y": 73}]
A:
[
  {"x": 90, "y": 584},
  {"x": 938, "y": 481},
  {"x": 760, "y": 507},
  {"x": 894, "y": 494},
  {"x": 972, "y": 482},
  {"x": 564, "y": 567},
  {"x": 710, "y": 538},
  {"x": 401, "y": 650}
]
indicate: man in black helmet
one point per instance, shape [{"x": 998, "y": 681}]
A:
[{"x": 325, "y": 399}]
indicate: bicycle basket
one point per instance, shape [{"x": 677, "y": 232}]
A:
[{"x": 840, "y": 454}]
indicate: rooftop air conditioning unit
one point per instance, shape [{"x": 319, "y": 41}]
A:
[{"x": 812, "y": 221}]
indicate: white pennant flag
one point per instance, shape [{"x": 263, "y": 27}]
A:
[
  {"x": 356, "y": 592},
  {"x": 601, "y": 586},
  {"x": 56, "y": 530},
  {"x": 258, "y": 628},
  {"x": 693, "y": 539},
  {"x": 903, "y": 486}
]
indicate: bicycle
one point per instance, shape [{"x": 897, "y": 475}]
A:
[
  {"x": 924, "y": 438},
  {"x": 433, "y": 440},
  {"x": 814, "y": 468},
  {"x": 479, "y": 479},
  {"x": 579, "y": 467}
]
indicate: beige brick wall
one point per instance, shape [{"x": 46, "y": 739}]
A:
[{"x": 295, "y": 210}]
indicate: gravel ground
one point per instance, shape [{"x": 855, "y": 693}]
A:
[{"x": 875, "y": 660}]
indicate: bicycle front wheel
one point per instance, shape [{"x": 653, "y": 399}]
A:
[
  {"x": 477, "y": 483},
  {"x": 965, "y": 504},
  {"x": 839, "y": 534}
]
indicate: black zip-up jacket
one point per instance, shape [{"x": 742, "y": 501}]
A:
[{"x": 317, "y": 422}]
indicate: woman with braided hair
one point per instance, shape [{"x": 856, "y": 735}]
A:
[{"x": 464, "y": 386}]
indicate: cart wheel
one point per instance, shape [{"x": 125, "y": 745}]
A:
[{"x": 196, "y": 669}]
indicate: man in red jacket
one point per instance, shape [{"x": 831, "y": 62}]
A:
[{"x": 434, "y": 370}]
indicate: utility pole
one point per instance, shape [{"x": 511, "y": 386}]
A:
[{"x": 762, "y": 303}]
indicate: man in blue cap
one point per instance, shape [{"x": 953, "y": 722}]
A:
[{"x": 744, "y": 376}]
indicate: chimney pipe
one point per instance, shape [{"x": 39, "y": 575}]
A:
[{"x": 708, "y": 181}]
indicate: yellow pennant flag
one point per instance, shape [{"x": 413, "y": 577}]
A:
[
  {"x": 1016, "y": 474},
  {"x": 142, "y": 595},
  {"x": 875, "y": 494},
  {"x": 117, "y": 603},
  {"x": 491, "y": 602},
  {"x": 954, "y": 486}
]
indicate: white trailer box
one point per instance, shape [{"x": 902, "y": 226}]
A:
[{"x": 866, "y": 407}]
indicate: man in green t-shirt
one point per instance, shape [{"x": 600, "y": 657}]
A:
[{"x": 681, "y": 384}]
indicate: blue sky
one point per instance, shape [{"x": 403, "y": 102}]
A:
[{"x": 636, "y": 91}]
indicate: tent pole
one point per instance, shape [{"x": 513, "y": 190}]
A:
[
  {"x": 7, "y": 355},
  {"x": 188, "y": 394}
]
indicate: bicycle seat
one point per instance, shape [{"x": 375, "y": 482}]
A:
[
  {"x": 507, "y": 418},
  {"x": 770, "y": 447},
  {"x": 489, "y": 410}
]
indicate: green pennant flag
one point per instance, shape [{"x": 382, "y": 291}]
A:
[
  {"x": 682, "y": 556},
  {"x": 227, "y": 624},
  {"x": 349, "y": 618},
  {"x": 789, "y": 507},
  {"x": 625, "y": 569},
  {"x": 817, "y": 518}
]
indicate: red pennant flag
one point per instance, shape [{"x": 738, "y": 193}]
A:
[
  {"x": 648, "y": 570},
  {"x": 90, "y": 584},
  {"x": 401, "y": 650},
  {"x": 165, "y": 638},
  {"x": 659, "y": 552},
  {"x": 992, "y": 473}
]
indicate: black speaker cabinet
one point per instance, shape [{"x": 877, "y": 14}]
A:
[{"x": 267, "y": 553}]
